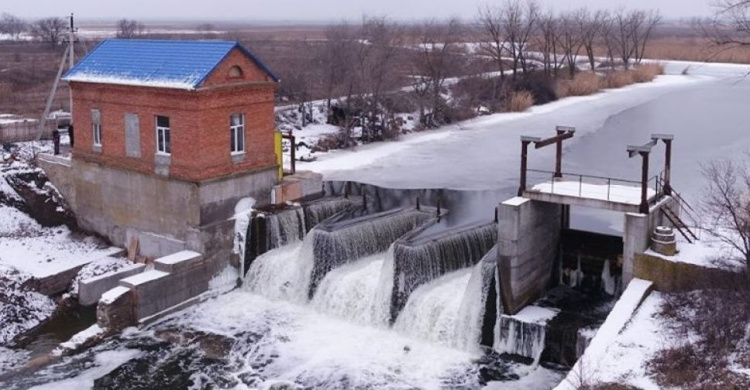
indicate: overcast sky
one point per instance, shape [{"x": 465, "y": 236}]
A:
[{"x": 308, "y": 10}]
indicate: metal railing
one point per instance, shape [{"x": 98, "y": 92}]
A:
[{"x": 580, "y": 185}]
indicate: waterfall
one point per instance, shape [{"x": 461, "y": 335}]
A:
[
  {"x": 451, "y": 309},
  {"x": 338, "y": 242},
  {"x": 286, "y": 227},
  {"x": 419, "y": 260},
  {"x": 354, "y": 291},
  {"x": 322, "y": 209},
  {"x": 524, "y": 334},
  {"x": 271, "y": 230},
  {"x": 282, "y": 274}
]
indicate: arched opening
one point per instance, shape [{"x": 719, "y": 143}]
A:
[{"x": 235, "y": 72}]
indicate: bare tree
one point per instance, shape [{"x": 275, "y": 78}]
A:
[
  {"x": 730, "y": 24},
  {"x": 376, "y": 56},
  {"x": 592, "y": 28},
  {"x": 12, "y": 26},
  {"x": 646, "y": 22},
  {"x": 50, "y": 30},
  {"x": 337, "y": 55},
  {"x": 493, "y": 42},
  {"x": 438, "y": 56},
  {"x": 571, "y": 38},
  {"x": 518, "y": 21},
  {"x": 727, "y": 203},
  {"x": 129, "y": 28},
  {"x": 547, "y": 41}
]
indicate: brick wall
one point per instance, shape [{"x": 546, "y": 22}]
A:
[{"x": 199, "y": 122}]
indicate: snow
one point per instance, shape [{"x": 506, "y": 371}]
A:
[
  {"x": 613, "y": 193},
  {"x": 144, "y": 277},
  {"x": 79, "y": 339},
  {"x": 516, "y": 201},
  {"x": 101, "y": 268},
  {"x": 618, "y": 318},
  {"x": 706, "y": 252},
  {"x": 178, "y": 257},
  {"x": 11, "y": 359},
  {"x": 536, "y": 314},
  {"x": 187, "y": 83},
  {"x": 41, "y": 251},
  {"x": 105, "y": 363},
  {"x": 20, "y": 308},
  {"x": 625, "y": 358},
  {"x": 112, "y": 295}
]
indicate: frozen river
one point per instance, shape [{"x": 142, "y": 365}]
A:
[{"x": 706, "y": 111}]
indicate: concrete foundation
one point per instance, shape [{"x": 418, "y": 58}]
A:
[
  {"x": 91, "y": 290},
  {"x": 175, "y": 279},
  {"x": 164, "y": 215},
  {"x": 638, "y": 231},
  {"x": 528, "y": 243}
]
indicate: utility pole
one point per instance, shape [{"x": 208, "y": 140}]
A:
[
  {"x": 71, "y": 60},
  {"x": 68, "y": 55}
]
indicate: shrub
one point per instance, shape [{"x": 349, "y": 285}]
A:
[
  {"x": 618, "y": 79},
  {"x": 584, "y": 83},
  {"x": 541, "y": 87},
  {"x": 647, "y": 72},
  {"x": 518, "y": 101}
]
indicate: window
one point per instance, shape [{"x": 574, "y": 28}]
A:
[
  {"x": 237, "y": 133},
  {"x": 162, "y": 135},
  {"x": 96, "y": 126},
  {"x": 235, "y": 72}
]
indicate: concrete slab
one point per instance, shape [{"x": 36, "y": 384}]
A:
[
  {"x": 90, "y": 290},
  {"x": 177, "y": 261}
]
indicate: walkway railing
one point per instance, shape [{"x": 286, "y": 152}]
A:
[{"x": 594, "y": 187}]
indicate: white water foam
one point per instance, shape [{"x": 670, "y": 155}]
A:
[{"x": 448, "y": 310}]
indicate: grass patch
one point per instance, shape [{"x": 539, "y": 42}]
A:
[
  {"x": 518, "y": 101},
  {"x": 647, "y": 72},
  {"x": 582, "y": 84}
]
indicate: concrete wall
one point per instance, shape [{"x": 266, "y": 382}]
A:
[
  {"x": 175, "y": 279},
  {"x": 528, "y": 243},
  {"x": 165, "y": 215},
  {"x": 637, "y": 233},
  {"x": 673, "y": 276},
  {"x": 90, "y": 290}
]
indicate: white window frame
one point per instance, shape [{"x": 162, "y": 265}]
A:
[
  {"x": 96, "y": 127},
  {"x": 161, "y": 131},
  {"x": 236, "y": 133}
]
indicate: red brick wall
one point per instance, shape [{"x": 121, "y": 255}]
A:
[{"x": 199, "y": 121}]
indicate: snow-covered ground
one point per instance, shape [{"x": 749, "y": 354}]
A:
[{"x": 624, "y": 359}]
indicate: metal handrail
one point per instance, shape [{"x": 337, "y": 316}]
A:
[{"x": 554, "y": 178}]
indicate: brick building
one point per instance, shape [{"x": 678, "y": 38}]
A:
[{"x": 170, "y": 136}]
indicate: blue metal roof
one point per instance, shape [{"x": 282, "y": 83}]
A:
[{"x": 157, "y": 63}]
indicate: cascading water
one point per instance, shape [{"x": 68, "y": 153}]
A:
[
  {"x": 281, "y": 274},
  {"x": 451, "y": 309},
  {"x": 419, "y": 260},
  {"x": 267, "y": 231},
  {"x": 340, "y": 242},
  {"x": 320, "y": 210},
  {"x": 359, "y": 292},
  {"x": 517, "y": 337},
  {"x": 286, "y": 227}
]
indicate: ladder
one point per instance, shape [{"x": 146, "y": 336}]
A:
[{"x": 679, "y": 224}]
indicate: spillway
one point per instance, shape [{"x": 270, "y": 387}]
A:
[
  {"x": 421, "y": 257},
  {"x": 340, "y": 240}
]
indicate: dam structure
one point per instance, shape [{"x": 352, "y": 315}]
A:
[{"x": 415, "y": 262}]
